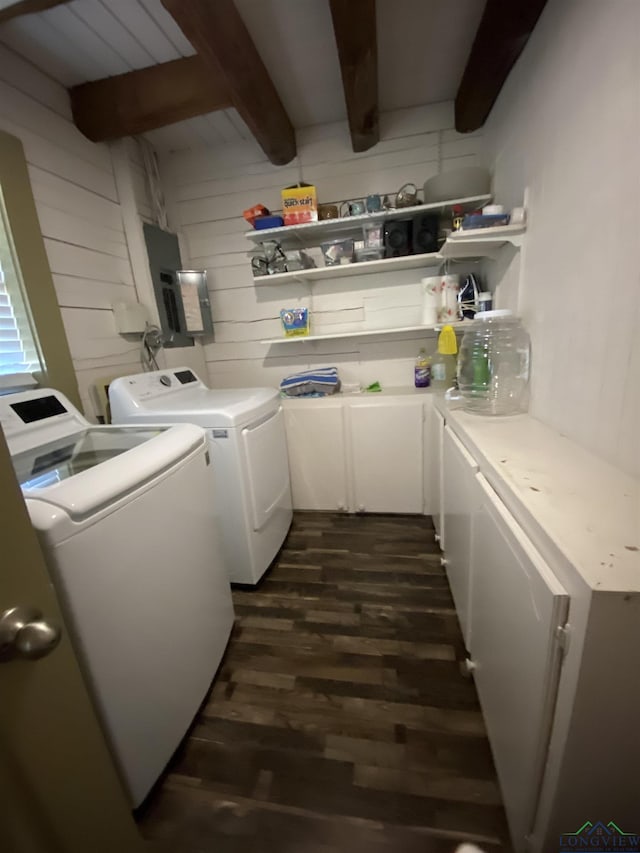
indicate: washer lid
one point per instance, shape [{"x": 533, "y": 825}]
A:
[
  {"x": 97, "y": 466},
  {"x": 233, "y": 407}
]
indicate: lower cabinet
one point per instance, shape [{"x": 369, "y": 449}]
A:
[
  {"x": 317, "y": 454},
  {"x": 517, "y": 612},
  {"x": 387, "y": 455},
  {"x": 433, "y": 478},
  {"x": 459, "y": 495},
  {"x": 512, "y": 612},
  {"x": 357, "y": 454}
]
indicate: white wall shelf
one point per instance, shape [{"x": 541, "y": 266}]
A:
[
  {"x": 313, "y": 233},
  {"x": 361, "y": 333},
  {"x": 481, "y": 242},
  {"x": 407, "y": 262}
]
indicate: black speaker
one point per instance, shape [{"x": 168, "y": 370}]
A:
[
  {"x": 397, "y": 237},
  {"x": 425, "y": 233}
]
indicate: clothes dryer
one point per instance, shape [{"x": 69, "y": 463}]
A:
[{"x": 245, "y": 428}]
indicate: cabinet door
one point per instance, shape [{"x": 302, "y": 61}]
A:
[
  {"x": 434, "y": 450},
  {"x": 459, "y": 494},
  {"x": 517, "y": 607},
  {"x": 317, "y": 458},
  {"x": 387, "y": 455}
]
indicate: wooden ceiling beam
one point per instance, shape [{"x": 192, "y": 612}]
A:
[
  {"x": 222, "y": 41},
  {"x": 354, "y": 25},
  {"x": 27, "y": 7},
  {"x": 502, "y": 34},
  {"x": 144, "y": 100}
]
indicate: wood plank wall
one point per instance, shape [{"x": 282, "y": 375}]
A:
[
  {"x": 207, "y": 190},
  {"x": 80, "y": 217}
]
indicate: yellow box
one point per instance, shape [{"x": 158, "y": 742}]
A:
[{"x": 299, "y": 204}]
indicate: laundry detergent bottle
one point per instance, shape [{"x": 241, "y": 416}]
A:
[{"x": 443, "y": 363}]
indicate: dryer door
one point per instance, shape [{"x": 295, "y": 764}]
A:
[{"x": 264, "y": 449}]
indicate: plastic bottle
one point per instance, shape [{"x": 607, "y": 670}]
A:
[
  {"x": 422, "y": 370},
  {"x": 443, "y": 364},
  {"x": 493, "y": 368}
]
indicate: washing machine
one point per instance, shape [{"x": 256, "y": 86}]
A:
[
  {"x": 245, "y": 427},
  {"x": 125, "y": 520}
]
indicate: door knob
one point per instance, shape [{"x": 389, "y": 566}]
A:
[{"x": 25, "y": 634}]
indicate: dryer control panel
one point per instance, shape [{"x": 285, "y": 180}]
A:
[{"x": 147, "y": 386}]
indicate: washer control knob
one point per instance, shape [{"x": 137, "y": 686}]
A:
[{"x": 165, "y": 380}]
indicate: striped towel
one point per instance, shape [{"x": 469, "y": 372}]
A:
[{"x": 311, "y": 383}]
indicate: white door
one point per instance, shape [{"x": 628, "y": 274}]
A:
[
  {"x": 267, "y": 466},
  {"x": 459, "y": 496},
  {"x": 317, "y": 458},
  {"x": 387, "y": 455},
  {"x": 58, "y": 785},
  {"x": 518, "y": 606}
]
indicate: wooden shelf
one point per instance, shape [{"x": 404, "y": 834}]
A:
[
  {"x": 364, "y": 333},
  {"x": 406, "y": 262},
  {"x": 313, "y": 233}
]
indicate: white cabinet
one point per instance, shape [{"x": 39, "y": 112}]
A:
[
  {"x": 358, "y": 453},
  {"x": 317, "y": 454},
  {"x": 540, "y": 549},
  {"x": 459, "y": 498},
  {"x": 517, "y": 612},
  {"x": 387, "y": 455},
  {"x": 434, "y": 480}
]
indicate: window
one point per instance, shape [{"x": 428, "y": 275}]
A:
[
  {"x": 19, "y": 352},
  {"x": 28, "y": 287}
]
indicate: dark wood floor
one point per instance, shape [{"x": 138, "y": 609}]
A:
[{"x": 340, "y": 720}]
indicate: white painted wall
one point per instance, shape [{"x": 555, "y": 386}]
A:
[
  {"x": 79, "y": 215},
  {"x": 566, "y": 126},
  {"x": 207, "y": 190}
]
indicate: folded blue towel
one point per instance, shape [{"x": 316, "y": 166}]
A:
[{"x": 315, "y": 382}]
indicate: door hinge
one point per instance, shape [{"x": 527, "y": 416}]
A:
[{"x": 563, "y": 635}]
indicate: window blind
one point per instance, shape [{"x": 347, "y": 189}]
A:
[{"x": 18, "y": 344}]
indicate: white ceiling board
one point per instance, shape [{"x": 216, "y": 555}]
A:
[
  {"x": 423, "y": 46},
  {"x": 163, "y": 19},
  {"x": 296, "y": 42},
  {"x": 101, "y": 19},
  {"x": 145, "y": 28},
  {"x": 88, "y": 52},
  {"x": 90, "y": 39},
  {"x": 32, "y": 38},
  {"x": 224, "y": 127}
]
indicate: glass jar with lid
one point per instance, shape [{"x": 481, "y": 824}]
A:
[{"x": 493, "y": 364}]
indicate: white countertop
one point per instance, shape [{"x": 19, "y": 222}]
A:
[
  {"x": 390, "y": 391},
  {"x": 588, "y": 511}
]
